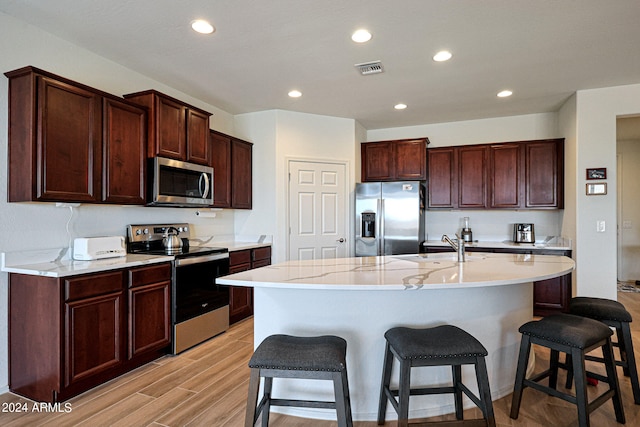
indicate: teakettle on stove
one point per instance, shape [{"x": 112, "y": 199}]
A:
[{"x": 523, "y": 233}]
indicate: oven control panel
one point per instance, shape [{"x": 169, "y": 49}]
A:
[{"x": 151, "y": 232}]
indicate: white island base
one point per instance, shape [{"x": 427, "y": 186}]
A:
[{"x": 490, "y": 296}]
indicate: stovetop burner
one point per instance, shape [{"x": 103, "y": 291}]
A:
[{"x": 147, "y": 239}]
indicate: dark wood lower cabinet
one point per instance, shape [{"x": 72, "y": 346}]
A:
[
  {"x": 241, "y": 297},
  {"x": 550, "y": 296},
  {"x": 67, "y": 335}
]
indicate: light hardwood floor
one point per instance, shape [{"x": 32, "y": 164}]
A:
[{"x": 207, "y": 386}]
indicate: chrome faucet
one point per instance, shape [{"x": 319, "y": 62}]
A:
[{"x": 457, "y": 246}]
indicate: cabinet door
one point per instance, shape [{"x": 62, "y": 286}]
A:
[
  {"x": 552, "y": 296},
  {"x": 410, "y": 160},
  {"x": 240, "y": 303},
  {"x": 69, "y": 132},
  {"x": 149, "y": 318},
  {"x": 197, "y": 137},
  {"x": 125, "y": 153},
  {"x": 544, "y": 174},
  {"x": 377, "y": 161},
  {"x": 170, "y": 129},
  {"x": 505, "y": 176},
  {"x": 471, "y": 177},
  {"x": 443, "y": 179},
  {"x": 241, "y": 164},
  {"x": 221, "y": 163},
  {"x": 94, "y": 336}
]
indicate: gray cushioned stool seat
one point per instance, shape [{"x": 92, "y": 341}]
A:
[
  {"x": 286, "y": 356},
  {"x": 324, "y": 353},
  {"x": 574, "y": 331},
  {"x": 445, "y": 345},
  {"x": 599, "y": 309},
  {"x": 615, "y": 315},
  {"x": 575, "y": 336}
]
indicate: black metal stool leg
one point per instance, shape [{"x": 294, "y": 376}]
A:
[
  {"x": 386, "y": 380},
  {"x": 610, "y": 364},
  {"x": 485, "y": 391},
  {"x": 624, "y": 335},
  {"x": 456, "y": 371},
  {"x": 403, "y": 393},
  {"x": 518, "y": 387},
  {"x": 252, "y": 401},
  {"x": 580, "y": 376}
]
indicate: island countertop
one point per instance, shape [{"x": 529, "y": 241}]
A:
[
  {"x": 410, "y": 272},
  {"x": 489, "y": 296}
]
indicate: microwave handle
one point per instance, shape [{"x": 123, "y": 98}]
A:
[{"x": 204, "y": 177}]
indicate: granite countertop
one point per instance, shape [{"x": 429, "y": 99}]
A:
[
  {"x": 57, "y": 263},
  {"x": 54, "y": 263},
  {"x": 399, "y": 272},
  {"x": 558, "y": 244}
]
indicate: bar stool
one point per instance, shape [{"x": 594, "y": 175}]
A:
[
  {"x": 575, "y": 336},
  {"x": 285, "y": 356},
  {"x": 613, "y": 314},
  {"x": 444, "y": 345}
]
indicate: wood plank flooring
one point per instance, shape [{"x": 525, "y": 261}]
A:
[{"x": 207, "y": 386}]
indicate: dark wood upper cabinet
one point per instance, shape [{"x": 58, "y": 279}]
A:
[
  {"x": 377, "y": 161},
  {"x": 124, "y": 153},
  {"x": 544, "y": 174},
  {"x": 72, "y": 143},
  {"x": 472, "y": 185},
  {"x": 443, "y": 177},
  {"x": 241, "y": 174},
  {"x": 396, "y": 160},
  {"x": 221, "y": 163},
  {"x": 176, "y": 130},
  {"x": 514, "y": 175},
  {"x": 505, "y": 175},
  {"x": 231, "y": 159}
]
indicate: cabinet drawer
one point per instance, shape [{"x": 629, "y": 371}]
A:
[
  {"x": 146, "y": 275},
  {"x": 262, "y": 253},
  {"x": 240, "y": 257},
  {"x": 261, "y": 263},
  {"x": 92, "y": 285}
]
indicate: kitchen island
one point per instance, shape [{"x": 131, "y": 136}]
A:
[{"x": 489, "y": 296}]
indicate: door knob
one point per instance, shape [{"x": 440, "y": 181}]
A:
[{"x": 341, "y": 240}]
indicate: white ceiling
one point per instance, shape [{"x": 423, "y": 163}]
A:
[{"x": 543, "y": 50}]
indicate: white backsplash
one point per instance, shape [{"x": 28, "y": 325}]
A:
[{"x": 492, "y": 225}]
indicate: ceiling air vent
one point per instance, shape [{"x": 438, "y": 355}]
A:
[{"x": 367, "y": 68}]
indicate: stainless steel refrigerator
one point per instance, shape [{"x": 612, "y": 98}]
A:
[{"x": 389, "y": 218}]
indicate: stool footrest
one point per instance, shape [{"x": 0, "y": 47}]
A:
[{"x": 303, "y": 403}]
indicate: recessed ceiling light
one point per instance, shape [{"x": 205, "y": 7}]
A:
[
  {"x": 201, "y": 26},
  {"x": 361, "y": 36},
  {"x": 443, "y": 55},
  {"x": 295, "y": 94},
  {"x": 400, "y": 106},
  {"x": 504, "y": 93}
]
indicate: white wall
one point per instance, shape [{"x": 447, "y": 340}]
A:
[
  {"x": 629, "y": 209},
  {"x": 25, "y": 226},
  {"x": 596, "y": 113},
  {"x": 486, "y": 225},
  {"x": 286, "y": 135}
]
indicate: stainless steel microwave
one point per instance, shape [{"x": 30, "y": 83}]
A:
[{"x": 181, "y": 184}]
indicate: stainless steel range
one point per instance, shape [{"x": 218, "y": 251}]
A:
[{"x": 200, "y": 307}]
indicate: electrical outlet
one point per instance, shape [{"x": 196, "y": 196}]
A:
[{"x": 600, "y": 226}]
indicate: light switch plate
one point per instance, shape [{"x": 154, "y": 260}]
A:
[{"x": 600, "y": 226}]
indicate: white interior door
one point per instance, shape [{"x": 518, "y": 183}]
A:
[{"x": 318, "y": 207}]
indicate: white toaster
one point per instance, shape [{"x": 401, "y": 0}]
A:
[{"x": 92, "y": 248}]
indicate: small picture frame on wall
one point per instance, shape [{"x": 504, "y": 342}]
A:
[
  {"x": 597, "y": 189},
  {"x": 597, "y": 173}
]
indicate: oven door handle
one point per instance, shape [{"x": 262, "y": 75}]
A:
[{"x": 180, "y": 262}]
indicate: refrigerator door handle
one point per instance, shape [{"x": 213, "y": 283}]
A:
[{"x": 381, "y": 225}]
